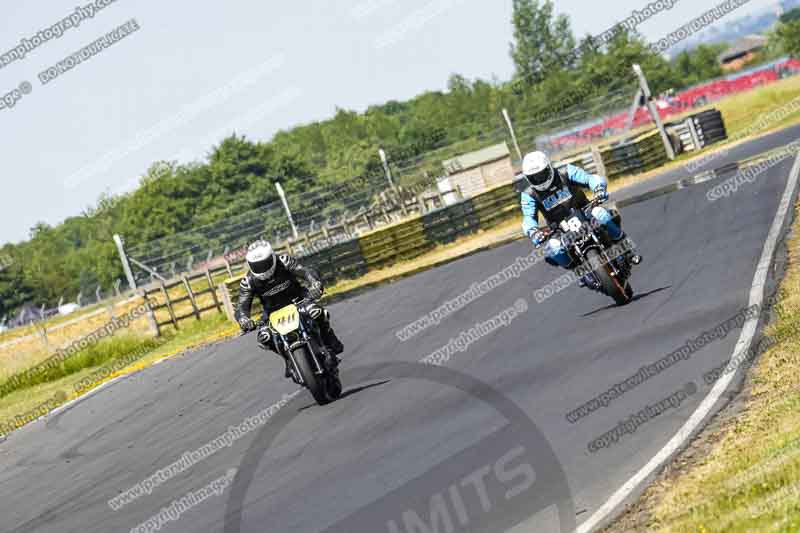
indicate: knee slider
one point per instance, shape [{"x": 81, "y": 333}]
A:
[
  {"x": 264, "y": 336},
  {"x": 315, "y": 311},
  {"x": 554, "y": 246},
  {"x": 601, "y": 215}
]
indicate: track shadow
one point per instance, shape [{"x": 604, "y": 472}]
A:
[
  {"x": 636, "y": 298},
  {"x": 350, "y": 392}
]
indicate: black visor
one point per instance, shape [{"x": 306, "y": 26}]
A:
[
  {"x": 261, "y": 267},
  {"x": 540, "y": 177}
]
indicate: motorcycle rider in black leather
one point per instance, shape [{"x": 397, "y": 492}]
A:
[{"x": 276, "y": 281}]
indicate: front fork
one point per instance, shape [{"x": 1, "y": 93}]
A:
[
  {"x": 620, "y": 268},
  {"x": 314, "y": 345}
]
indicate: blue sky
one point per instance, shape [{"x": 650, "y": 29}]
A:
[{"x": 195, "y": 71}]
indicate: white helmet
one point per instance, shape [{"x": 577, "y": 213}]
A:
[
  {"x": 261, "y": 260},
  {"x": 538, "y": 170}
]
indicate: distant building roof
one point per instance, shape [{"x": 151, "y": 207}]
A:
[
  {"x": 742, "y": 47},
  {"x": 477, "y": 158}
]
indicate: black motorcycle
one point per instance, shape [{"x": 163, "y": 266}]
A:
[
  {"x": 297, "y": 337},
  {"x": 601, "y": 264}
]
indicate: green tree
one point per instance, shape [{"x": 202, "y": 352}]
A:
[
  {"x": 787, "y": 36},
  {"x": 15, "y": 289},
  {"x": 790, "y": 16},
  {"x": 700, "y": 64},
  {"x": 542, "y": 41}
]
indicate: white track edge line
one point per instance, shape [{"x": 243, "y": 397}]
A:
[{"x": 742, "y": 345}]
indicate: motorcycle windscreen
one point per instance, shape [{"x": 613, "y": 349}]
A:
[{"x": 285, "y": 320}]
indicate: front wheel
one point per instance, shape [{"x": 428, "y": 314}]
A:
[
  {"x": 324, "y": 388},
  {"x": 620, "y": 291},
  {"x": 334, "y": 387},
  {"x": 314, "y": 383}
]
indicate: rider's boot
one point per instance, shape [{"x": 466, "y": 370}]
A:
[
  {"x": 287, "y": 373},
  {"x": 335, "y": 346},
  {"x": 632, "y": 255}
]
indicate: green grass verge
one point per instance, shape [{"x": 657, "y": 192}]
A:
[
  {"x": 99, "y": 363},
  {"x": 94, "y": 356}
]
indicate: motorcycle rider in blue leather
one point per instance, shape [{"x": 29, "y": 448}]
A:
[{"x": 553, "y": 193}]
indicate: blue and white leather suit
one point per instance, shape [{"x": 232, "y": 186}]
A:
[{"x": 555, "y": 202}]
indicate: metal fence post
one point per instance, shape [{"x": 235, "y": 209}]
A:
[
  {"x": 126, "y": 266},
  {"x": 651, "y": 106},
  {"x": 387, "y": 169},
  {"x": 282, "y": 194},
  {"x": 513, "y": 133}
]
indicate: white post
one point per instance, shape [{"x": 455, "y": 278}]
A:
[
  {"x": 387, "y": 169},
  {"x": 634, "y": 108},
  {"x": 654, "y": 111},
  {"x": 513, "y": 134},
  {"x": 286, "y": 207},
  {"x": 126, "y": 266},
  {"x": 690, "y": 125}
]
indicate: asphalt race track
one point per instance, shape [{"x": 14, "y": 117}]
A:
[{"x": 406, "y": 450}]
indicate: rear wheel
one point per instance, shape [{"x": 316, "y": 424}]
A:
[
  {"x": 314, "y": 383},
  {"x": 613, "y": 287},
  {"x": 628, "y": 290}
]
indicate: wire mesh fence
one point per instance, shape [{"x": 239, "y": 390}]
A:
[
  {"x": 594, "y": 119},
  {"x": 185, "y": 251},
  {"x": 325, "y": 205}
]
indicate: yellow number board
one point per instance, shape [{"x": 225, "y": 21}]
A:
[{"x": 285, "y": 320}]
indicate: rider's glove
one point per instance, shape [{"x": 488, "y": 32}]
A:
[
  {"x": 264, "y": 336},
  {"x": 601, "y": 193},
  {"x": 538, "y": 237},
  {"x": 246, "y": 323},
  {"x": 315, "y": 291}
]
